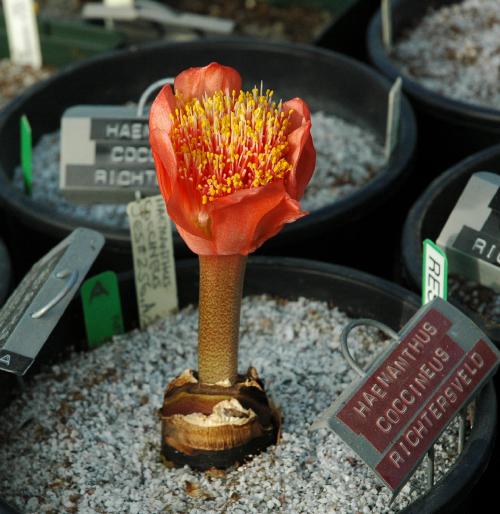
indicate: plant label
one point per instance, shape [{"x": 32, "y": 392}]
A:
[
  {"x": 412, "y": 391},
  {"x": 35, "y": 307},
  {"x": 434, "y": 273},
  {"x": 393, "y": 118},
  {"x": 26, "y": 154},
  {"x": 119, "y": 3},
  {"x": 102, "y": 309},
  {"x": 385, "y": 8},
  {"x": 22, "y": 32},
  {"x": 471, "y": 236},
  {"x": 105, "y": 155},
  {"x": 153, "y": 254}
]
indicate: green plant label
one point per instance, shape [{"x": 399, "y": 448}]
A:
[
  {"x": 26, "y": 154},
  {"x": 102, "y": 308},
  {"x": 434, "y": 273}
]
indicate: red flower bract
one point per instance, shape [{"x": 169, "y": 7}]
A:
[{"x": 231, "y": 165}]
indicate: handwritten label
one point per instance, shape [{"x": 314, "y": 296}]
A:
[
  {"x": 153, "y": 254},
  {"x": 413, "y": 390},
  {"x": 434, "y": 272},
  {"x": 22, "y": 32},
  {"x": 105, "y": 155}
]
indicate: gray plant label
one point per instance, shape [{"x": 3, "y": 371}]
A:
[
  {"x": 411, "y": 392},
  {"x": 471, "y": 236},
  {"x": 105, "y": 155},
  {"x": 35, "y": 307}
]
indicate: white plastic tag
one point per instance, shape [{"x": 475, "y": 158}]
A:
[
  {"x": 22, "y": 32},
  {"x": 119, "y": 3},
  {"x": 434, "y": 273},
  {"x": 393, "y": 118},
  {"x": 386, "y": 24},
  {"x": 154, "y": 264}
]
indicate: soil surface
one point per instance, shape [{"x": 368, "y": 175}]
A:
[
  {"x": 455, "y": 51},
  {"x": 478, "y": 298},
  {"x": 348, "y": 157},
  {"x": 84, "y": 437},
  {"x": 15, "y": 78}
]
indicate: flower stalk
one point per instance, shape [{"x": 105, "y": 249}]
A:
[
  {"x": 232, "y": 166},
  {"x": 221, "y": 286}
]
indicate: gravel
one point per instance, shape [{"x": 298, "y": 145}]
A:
[
  {"x": 85, "y": 436},
  {"x": 14, "y": 78},
  {"x": 348, "y": 156},
  {"x": 478, "y": 298},
  {"x": 455, "y": 51}
]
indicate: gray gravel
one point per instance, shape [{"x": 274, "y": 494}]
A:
[
  {"x": 481, "y": 299},
  {"x": 85, "y": 436},
  {"x": 15, "y": 78},
  {"x": 347, "y": 158},
  {"x": 455, "y": 51}
]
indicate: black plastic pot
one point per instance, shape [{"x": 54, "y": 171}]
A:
[
  {"x": 326, "y": 80},
  {"x": 429, "y": 214},
  {"x": 449, "y": 130},
  {"x": 5, "y": 272},
  {"x": 356, "y": 293},
  {"x": 344, "y": 35}
]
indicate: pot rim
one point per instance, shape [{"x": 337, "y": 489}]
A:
[
  {"x": 469, "y": 114},
  {"x": 44, "y": 219}
]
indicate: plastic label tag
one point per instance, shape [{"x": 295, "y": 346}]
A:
[
  {"x": 105, "y": 155},
  {"x": 26, "y": 154},
  {"x": 393, "y": 118},
  {"x": 154, "y": 263},
  {"x": 386, "y": 24},
  {"x": 410, "y": 393},
  {"x": 119, "y": 3},
  {"x": 22, "y": 32},
  {"x": 434, "y": 273},
  {"x": 35, "y": 307},
  {"x": 471, "y": 236},
  {"x": 102, "y": 309}
]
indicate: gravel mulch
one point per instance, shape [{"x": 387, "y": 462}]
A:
[
  {"x": 85, "y": 436},
  {"x": 455, "y": 51},
  {"x": 348, "y": 157}
]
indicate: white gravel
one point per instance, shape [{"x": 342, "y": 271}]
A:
[
  {"x": 455, "y": 51},
  {"x": 85, "y": 436},
  {"x": 347, "y": 158}
]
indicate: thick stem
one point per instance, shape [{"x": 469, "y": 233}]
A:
[{"x": 221, "y": 285}]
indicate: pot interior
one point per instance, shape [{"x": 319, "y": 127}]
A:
[{"x": 327, "y": 81}]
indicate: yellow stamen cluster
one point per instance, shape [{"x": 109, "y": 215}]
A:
[{"x": 227, "y": 142}]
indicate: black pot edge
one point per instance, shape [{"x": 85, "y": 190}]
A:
[
  {"x": 413, "y": 224},
  {"x": 43, "y": 218},
  {"x": 467, "y": 114},
  {"x": 5, "y": 272}
]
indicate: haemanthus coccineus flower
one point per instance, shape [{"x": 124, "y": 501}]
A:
[{"x": 231, "y": 165}]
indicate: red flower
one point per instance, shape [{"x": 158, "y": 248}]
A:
[{"x": 231, "y": 165}]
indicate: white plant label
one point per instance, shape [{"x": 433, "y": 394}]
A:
[
  {"x": 386, "y": 24},
  {"x": 22, "y": 32},
  {"x": 119, "y": 3},
  {"x": 393, "y": 118},
  {"x": 434, "y": 273},
  {"x": 153, "y": 254}
]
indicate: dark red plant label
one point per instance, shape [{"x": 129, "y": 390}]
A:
[{"x": 393, "y": 416}]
